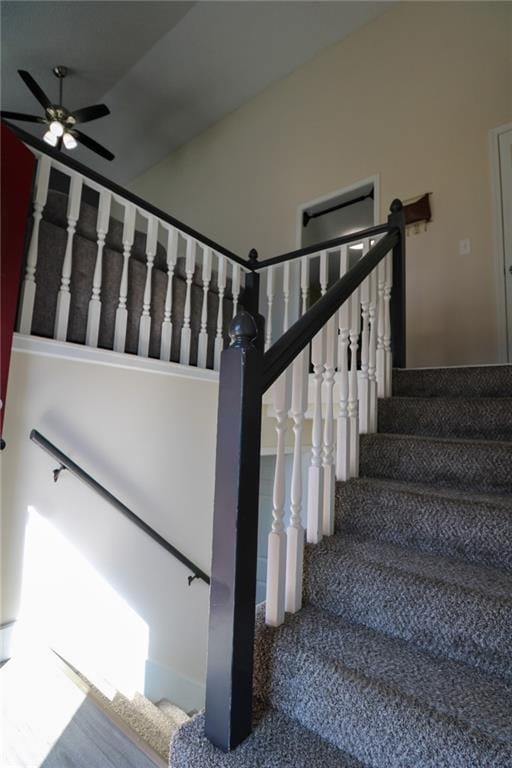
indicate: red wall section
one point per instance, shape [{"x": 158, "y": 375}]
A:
[{"x": 18, "y": 165}]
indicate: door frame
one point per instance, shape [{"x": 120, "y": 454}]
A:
[
  {"x": 375, "y": 180},
  {"x": 497, "y": 241}
]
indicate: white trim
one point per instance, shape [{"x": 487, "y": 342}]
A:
[
  {"x": 375, "y": 180},
  {"x": 6, "y": 637},
  {"x": 35, "y": 345},
  {"x": 162, "y": 682},
  {"x": 497, "y": 240}
]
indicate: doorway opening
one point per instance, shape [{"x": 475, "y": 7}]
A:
[
  {"x": 501, "y": 161},
  {"x": 338, "y": 213}
]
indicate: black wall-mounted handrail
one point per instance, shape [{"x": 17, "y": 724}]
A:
[
  {"x": 66, "y": 463},
  {"x": 32, "y": 141}
]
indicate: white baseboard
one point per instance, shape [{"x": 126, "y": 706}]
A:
[
  {"x": 6, "y": 635},
  {"x": 164, "y": 683}
]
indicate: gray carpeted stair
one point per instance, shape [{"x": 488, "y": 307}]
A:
[
  {"x": 480, "y": 465},
  {"x": 402, "y": 654},
  {"x": 445, "y": 521},
  {"x": 380, "y": 699},
  {"x": 443, "y": 605},
  {"x": 478, "y": 418},
  {"x": 277, "y": 742},
  {"x": 470, "y": 381}
]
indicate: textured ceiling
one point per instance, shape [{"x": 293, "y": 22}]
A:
[{"x": 167, "y": 70}]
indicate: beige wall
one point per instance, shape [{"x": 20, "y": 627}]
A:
[
  {"x": 147, "y": 437},
  {"x": 411, "y": 97}
]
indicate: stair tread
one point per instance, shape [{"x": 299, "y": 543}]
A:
[
  {"x": 487, "y": 581},
  {"x": 488, "y": 418},
  {"x": 380, "y": 698},
  {"x": 276, "y": 742},
  {"x": 485, "y": 380},
  {"x": 470, "y": 464},
  {"x": 462, "y": 441},
  {"x": 501, "y": 500},
  {"x": 445, "y": 606}
]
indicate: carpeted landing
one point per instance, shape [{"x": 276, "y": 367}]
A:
[{"x": 402, "y": 654}]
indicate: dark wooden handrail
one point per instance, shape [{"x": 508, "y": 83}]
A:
[
  {"x": 41, "y": 146},
  {"x": 66, "y": 463},
  {"x": 353, "y": 237},
  {"x": 245, "y": 374},
  {"x": 282, "y": 353}
]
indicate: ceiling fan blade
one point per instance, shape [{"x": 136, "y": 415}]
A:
[
  {"x": 21, "y": 116},
  {"x": 34, "y": 88},
  {"x": 91, "y": 144},
  {"x": 86, "y": 114}
]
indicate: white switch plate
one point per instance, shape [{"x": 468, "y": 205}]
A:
[{"x": 465, "y": 247}]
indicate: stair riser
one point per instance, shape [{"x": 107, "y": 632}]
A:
[
  {"x": 485, "y": 381},
  {"x": 480, "y": 419},
  {"x": 477, "y": 531},
  {"x": 370, "y": 721},
  {"x": 442, "y": 618},
  {"x": 470, "y": 465}
]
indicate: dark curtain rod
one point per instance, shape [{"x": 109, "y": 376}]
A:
[{"x": 306, "y": 217}]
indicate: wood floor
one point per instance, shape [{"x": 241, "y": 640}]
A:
[{"x": 50, "y": 722}]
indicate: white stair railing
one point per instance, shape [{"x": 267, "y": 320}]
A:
[
  {"x": 351, "y": 368},
  {"x": 145, "y": 319},
  {"x": 94, "y": 313},
  {"x": 28, "y": 287},
  {"x": 172, "y": 257},
  {"x": 164, "y": 245},
  {"x": 64, "y": 295}
]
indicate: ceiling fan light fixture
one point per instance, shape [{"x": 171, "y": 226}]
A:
[
  {"x": 69, "y": 141},
  {"x": 51, "y": 138},
  {"x": 56, "y": 128}
]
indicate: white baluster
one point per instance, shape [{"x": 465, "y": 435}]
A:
[
  {"x": 172, "y": 255},
  {"x": 353, "y": 415},
  {"x": 202, "y": 348},
  {"x": 315, "y": 472},
  {"x": 295, "y": 532},
  {"x": 64, "y": 295},
  {"x": 331, "y": 333},
  {"x": 324, "y": 272},
  {"x": 122, "y": 311},
  {"x": 388, "y": 358},
  {"x": 286, "y": 295},
  {"x": 186, "y": 332},
  {"x": 145, "y": 319},
  {"x": 276, "y": 558},
  {"x": 364, "y": 390},
  {"x": 235, "y": 285},
  {"x": 270, "y": 302},
  {"x": 372, "y": 356},
  {"x": 28, "y": 288},
  {"x": 343, "y": 423},
  {"x": 304, "y": 282},
  {"x": 221, "y": 284},
  {"x": 94, "y": 310},
  {"x": 381, "y": 358}
]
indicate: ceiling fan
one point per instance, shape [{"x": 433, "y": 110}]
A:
[{"x": 60, "y": 121}]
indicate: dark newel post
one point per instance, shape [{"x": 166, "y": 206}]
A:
[
  {"x": 235, "y": 533},
  {"x": 396, "y": 218},
  {"x": 252, "y": 298}
]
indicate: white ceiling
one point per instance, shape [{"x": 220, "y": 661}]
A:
[{"x": 167, "y": 70}]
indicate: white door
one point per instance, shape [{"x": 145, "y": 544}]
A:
[{"x": 505, "y": 158}]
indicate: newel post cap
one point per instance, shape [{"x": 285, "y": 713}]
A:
[
  {"x": 396, "y": 206},
  {"x": 243, "y": 329}
]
